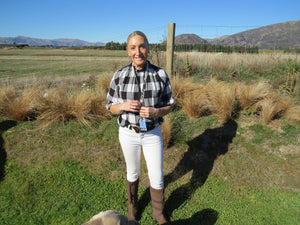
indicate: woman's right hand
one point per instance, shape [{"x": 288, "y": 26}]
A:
[{"x": 131, "y": 106}]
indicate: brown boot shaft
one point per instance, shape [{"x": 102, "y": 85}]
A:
[
  {"x": 132, "y": 195},
  {"x": 157, "y": 197}
]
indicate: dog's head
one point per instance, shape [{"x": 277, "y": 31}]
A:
[{"x": 110, "y": 217}]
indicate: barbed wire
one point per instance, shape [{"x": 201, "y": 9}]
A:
[{"x": 158, "y": 34}]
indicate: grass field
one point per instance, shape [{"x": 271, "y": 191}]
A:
[
  {"x": 239, "y": 170},
  {"x": 39, "y": 64}
]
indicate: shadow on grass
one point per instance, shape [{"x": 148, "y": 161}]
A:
[
  {"x": 204, "y": 217},
  {"x": 4, "y": 126},
  {"x": 203, "y": 151}
]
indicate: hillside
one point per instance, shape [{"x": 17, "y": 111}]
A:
[
  {"x": 189, "y": 39},
  {"x": 46, "y": 42},
  {"x": 276, "y": 36}
]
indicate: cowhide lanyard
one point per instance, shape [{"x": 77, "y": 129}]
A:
[{"x": 142, "y": 88}]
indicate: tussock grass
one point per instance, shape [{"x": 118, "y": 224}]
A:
[
  {"x": 196, "y": 104},
  {"x": 225, "y": 100},
  {"x": 60, "y": 105},
  {"x": 98, "y": 103},
  {"x": 182, "y": 87},
  {"x": 166, "y": 130},
  {"x": 7, "y": 96},
  {"x": 273, "y": 106},
  {"x": 292, "y": 114},
  {"x": 18, "y": 105},
  {"x": 248, "y": 95},
  {"x": 215, "y": 97},
  {"x": 56, "y": 103},
  {"x": 103, "y": 82},
  {"x": 221, "y": 97}
]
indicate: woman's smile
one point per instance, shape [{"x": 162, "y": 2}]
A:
[{"x": 138, "y": 51}]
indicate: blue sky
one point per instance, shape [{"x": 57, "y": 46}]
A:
[{"x": 113, "y": 20}]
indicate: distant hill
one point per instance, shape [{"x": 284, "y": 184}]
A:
[
  {"x": 276, "y": 36},
  {"x": 189, "y": 39},
  {"x": 47, "y": 42}
]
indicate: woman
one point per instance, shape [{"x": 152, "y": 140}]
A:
[{"x": 141, "y": 94}]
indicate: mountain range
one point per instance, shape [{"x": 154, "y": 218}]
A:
[
  {"x": 275, "y": 36},
  {"x": 47, "y": 42}
]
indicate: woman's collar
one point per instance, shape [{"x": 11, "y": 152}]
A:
[{"x": 143, "y": 69}]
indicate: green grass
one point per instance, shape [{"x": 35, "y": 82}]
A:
[
  {"x": 67, "y": 173},
  {"x": 57, "y": 193},
  {"x": 261, "y": 133},
  {"x": 66, "y": 193},
  {"x": 57, "y": 63}
]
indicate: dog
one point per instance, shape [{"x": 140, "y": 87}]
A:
[{"x": 110, "y": 217}]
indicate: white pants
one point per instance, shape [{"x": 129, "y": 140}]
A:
[{"x": 152, "y": 144}]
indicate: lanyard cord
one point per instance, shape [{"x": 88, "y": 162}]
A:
[{"x": 142, "y": 90}]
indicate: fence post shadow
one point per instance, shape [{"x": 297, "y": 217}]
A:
[
  {"x": 202, "y": 152},
  {"x": 4, "y": 126}
]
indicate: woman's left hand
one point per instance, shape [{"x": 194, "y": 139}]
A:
[{"x": 148, "y": 112}]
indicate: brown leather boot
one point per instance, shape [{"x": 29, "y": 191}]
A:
[
  {"x": 132, "y": 194},
  {"x": 157, "y": 197}
]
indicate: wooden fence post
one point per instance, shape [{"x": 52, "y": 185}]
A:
[
  {"x": 297, "y": 86},
  {"x": 170, "y": 48}
]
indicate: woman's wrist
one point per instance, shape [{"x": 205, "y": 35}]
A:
[
  {"x": 121, "y": 108},
  {"x": 117, "y": 109},
  {"x": 157, "y": 112},
  {"x": 163, "y": 111}
]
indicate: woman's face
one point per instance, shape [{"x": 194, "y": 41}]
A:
[{"x": 138, "y": 50}]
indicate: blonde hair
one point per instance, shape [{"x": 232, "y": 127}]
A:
[{"x": 140, "y": 33}]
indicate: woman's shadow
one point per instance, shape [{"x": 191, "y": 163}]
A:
[
  {"x": 202, "y": 152},
  {"x": 4, "y": 126}
]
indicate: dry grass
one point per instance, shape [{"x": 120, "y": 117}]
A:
[
  {"x": 273, "y": 106},
  {"x": 61, "y": 105},
  {"x": 232, "y": 62},
  {"x": 98, "y": 103},
  {"x": 221, "y": 96},
  {"x": 216, "y": 97},
  {"x": 98, "y": 97},
  {"x": 57, "y": 103},
  {"x": 166, "y": 129},
  {"x": 103, "y": 82},
  {"x": 196, "y": 104},
  {"x": 292, "y": 114},
  {"x": 7, "y": 96},
  {"x": 182, "y": 87},
  {"x": 225, "y": 100},
  {"x": 20, "y": 105},
  {"x": 248, "y": 95}
]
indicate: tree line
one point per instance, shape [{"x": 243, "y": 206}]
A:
[
  {"x": 290, "y": 50},
  {"x": 189, "y": 48}
]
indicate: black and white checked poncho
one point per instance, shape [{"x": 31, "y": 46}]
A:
[{"x": 127, "y": 84}]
